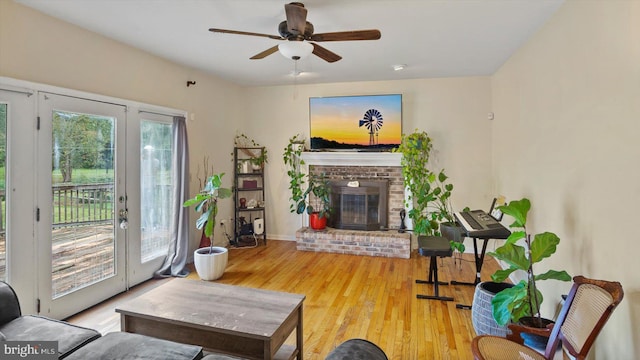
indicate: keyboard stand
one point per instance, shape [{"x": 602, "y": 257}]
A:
[{"x": 479, "y": 259}]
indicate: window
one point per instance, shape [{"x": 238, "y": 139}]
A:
[{"x": 156, "y": 188}]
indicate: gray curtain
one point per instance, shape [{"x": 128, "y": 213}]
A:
[{"x": 176, "y": 260}]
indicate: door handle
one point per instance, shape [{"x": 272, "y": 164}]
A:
[{"x": 123, "y": 215}]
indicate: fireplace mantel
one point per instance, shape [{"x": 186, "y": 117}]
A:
[{"x": 352, "y": 158}]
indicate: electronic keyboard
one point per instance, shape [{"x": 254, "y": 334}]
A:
[{"x": 479, "y": 224}]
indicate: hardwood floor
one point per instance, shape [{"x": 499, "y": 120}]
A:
[{"x": 348, "y": 296}]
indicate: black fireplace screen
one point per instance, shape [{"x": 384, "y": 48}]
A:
[{"x": 362, "y": 207}]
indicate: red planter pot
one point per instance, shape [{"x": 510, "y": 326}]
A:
[
  {"x": 316, "y": 222},
  {"x": 204, "y": 241}
]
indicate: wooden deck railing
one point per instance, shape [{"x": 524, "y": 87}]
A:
[{"x": 82, "y": 204}]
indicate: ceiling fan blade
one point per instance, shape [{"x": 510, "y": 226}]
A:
[
  {"x": 265, "y": 53},
  {"x": 296, "y": 17},
  {"x": 347, "y": 35},
  {"x": 326, "y": 55},
  {"x": 245, "y": 33}
]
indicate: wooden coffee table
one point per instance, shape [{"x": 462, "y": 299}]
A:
[{"x": 234, "y": 320}]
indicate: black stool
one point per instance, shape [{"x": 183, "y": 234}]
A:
[{"x": 434, "y": 247}]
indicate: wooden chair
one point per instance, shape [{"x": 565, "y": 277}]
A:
[{"x": 586, "y": 309}]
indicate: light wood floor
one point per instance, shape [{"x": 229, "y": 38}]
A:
[{"x": 348, "y": 296}]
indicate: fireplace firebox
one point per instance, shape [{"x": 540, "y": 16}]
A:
[{"x": 359, "y": 205}]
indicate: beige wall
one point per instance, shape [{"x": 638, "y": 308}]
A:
[
  {"x": 567, "y": 111},
  {"x": 453, "y": 111}
]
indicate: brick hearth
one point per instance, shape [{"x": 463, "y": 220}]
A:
[{"x": 371, "y": 243}]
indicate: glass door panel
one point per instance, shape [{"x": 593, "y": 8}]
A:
[
  {"x": 156, "y": 189},
  {"x": 150, "y": 190},
  {"x": 82, "y": 143},
  {"x": 83, "y": 183}
]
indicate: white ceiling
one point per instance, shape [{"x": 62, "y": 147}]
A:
[{"x": 434, "y": 38}]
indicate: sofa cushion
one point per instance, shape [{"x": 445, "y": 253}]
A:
[
  {"x": 9, "y": 305},
  {"x": 33, "y": 328},
  {"x": 122, "y": 345}
]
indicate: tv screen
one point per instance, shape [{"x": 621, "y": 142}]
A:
[{"x": 365, "y": 123}]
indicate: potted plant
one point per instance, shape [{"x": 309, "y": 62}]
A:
[
  {"x": 257, "y": 154},
  {"x": 302, "y": 186},
  {"x": 430, "y": 199},
  {"x": 292, "y": 158},
  {"x": 319, "y": 193},
  {"x": 523, "y": 300},
  {"x": 210, "y": 261}
]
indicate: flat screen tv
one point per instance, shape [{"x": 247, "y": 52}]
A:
[{"x": 361, "y": 123}]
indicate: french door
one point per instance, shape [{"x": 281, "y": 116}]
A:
[
  {"x": 105, "y": 190},
  {"x": 82, "y": 201}
]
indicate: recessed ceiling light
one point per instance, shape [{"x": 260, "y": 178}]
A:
[{"x": 399, "y": 67}]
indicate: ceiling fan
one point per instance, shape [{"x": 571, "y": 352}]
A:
[{"x": 299, "y": 32}]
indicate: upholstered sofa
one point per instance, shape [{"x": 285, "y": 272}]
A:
[{"x": 76, "y": 342}]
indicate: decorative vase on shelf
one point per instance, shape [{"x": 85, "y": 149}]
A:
[
  {"x": 244, "y": 166},
  {"x": 210, "y": 262}
]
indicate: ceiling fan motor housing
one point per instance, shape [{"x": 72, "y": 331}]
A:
[{"x": 284, "y": 31}]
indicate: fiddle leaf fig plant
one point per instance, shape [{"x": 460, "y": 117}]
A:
[
  {"x": 206, "y": 202},
  {"x": 524, "y": 298}
]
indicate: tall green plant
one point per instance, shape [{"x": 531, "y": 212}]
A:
[
  {"x": 524, "y": 299},
  {"x": 429, "y": 201},
  {"x": 292, "y": 158},
  {"x": 321, "y": 190},
  {"x": 206, "y": 202},
  {"x": 302, "y": 185}
]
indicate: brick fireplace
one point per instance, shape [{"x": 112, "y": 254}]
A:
[{"x": 364, "y": 168}]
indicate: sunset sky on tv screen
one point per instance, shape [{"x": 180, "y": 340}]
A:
[{"x": 338, "y": 118}]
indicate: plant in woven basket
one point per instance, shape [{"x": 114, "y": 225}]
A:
[{"x": 523, "y": 299}]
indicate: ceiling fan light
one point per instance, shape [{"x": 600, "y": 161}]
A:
[{"x": 295, "y": 50}]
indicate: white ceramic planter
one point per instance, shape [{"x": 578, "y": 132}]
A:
[{"x": 210, "y": 266}]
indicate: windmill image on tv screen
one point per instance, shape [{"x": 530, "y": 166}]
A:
[{"x": 366, "y": 123}]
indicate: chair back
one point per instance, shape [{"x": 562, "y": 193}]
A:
[
  {"x": 587, "y": 308},
  {"x": 9, "y": 305}
]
